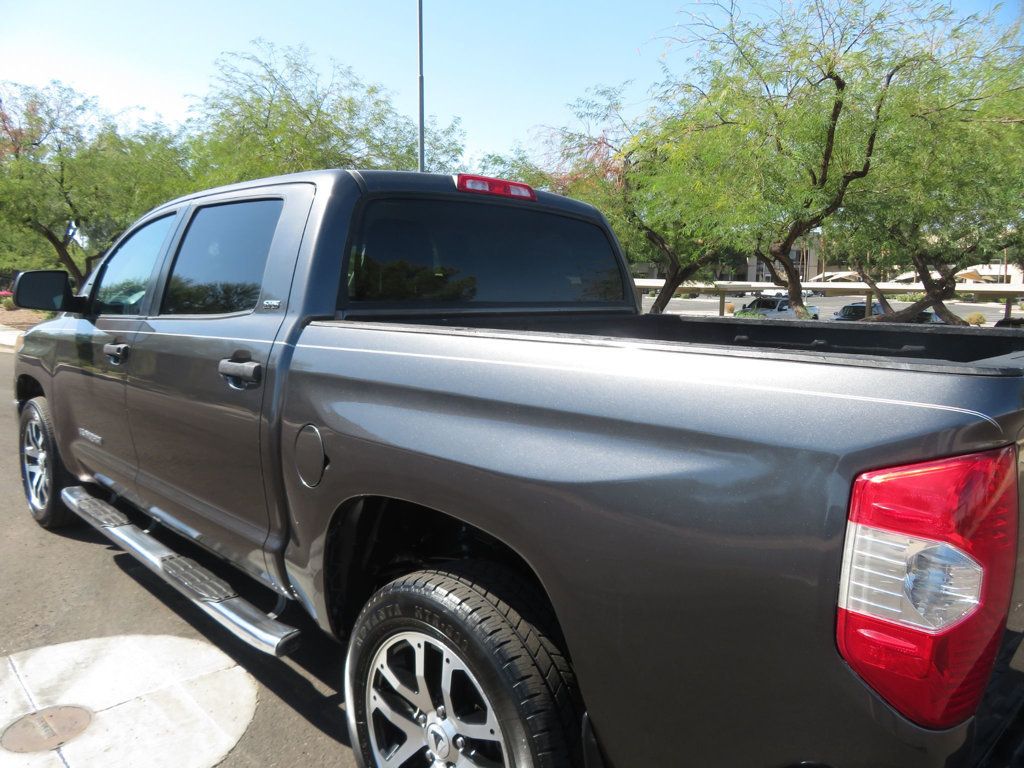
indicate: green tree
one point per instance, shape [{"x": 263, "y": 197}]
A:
[
  {"x": 70, "y": 179},
  {"x": 785, "y": 114},
  {"x": 270, "y": 111},
  {"x": 954, "y": 195},
  {"x": 604, "y": 159},
  {"x": 20, "y": 249}
]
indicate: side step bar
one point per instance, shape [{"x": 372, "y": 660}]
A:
[{"x": 212, "y": 595}]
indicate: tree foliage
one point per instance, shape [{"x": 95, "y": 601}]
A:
[
  {"x": 788, "y": 111},
  {"x": 270, "y": 111},
  {"x": 71, "y": 180},
  {"x": 601, "y": 159},
  {"x": 952, "y": 195}
]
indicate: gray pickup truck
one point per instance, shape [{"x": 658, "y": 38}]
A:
[{"x": 550, "y": 530}]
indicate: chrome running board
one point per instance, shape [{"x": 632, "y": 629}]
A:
[{"x": 211, "y": 594}]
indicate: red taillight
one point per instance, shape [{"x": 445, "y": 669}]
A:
[
  {"x": 927, "y": 575},
  {"x": 485, "y": 185}
]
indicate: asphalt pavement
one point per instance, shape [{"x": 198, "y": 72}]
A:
[{"x": 72, "y": 586}]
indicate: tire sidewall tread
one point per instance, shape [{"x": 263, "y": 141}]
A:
[
  {"x": 55, "y": 514},
  {"x": 527, "y": 679}
]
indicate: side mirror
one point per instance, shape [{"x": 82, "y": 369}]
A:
[{"x": 46, "y": 289}]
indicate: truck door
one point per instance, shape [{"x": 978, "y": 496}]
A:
[
  {"x": 199, "y": 369},
  {"x": 94, "y": 355}
]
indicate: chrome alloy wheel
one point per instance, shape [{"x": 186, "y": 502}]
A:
[
  {"x": 426, "y": 708},
  {"x": 36, "y": 468}
]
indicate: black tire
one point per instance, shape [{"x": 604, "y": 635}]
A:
[
  {"x": 520, "y": 671},
  {"x": 48, "y": 511}
]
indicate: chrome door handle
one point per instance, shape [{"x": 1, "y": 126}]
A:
[
  {"x": 116, "y": 353},
  {"x": 239, "y": 374}
]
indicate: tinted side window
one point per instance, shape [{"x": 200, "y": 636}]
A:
[
  {"x": 219, "y": 266},
  {"x": 125, "y": 281},
  {"x": 450, "y": 253}
]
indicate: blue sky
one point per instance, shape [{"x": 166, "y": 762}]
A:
[{"x": 506, "y": 68}]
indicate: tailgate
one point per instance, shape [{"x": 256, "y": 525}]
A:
[{"x": 999, "y": 739}]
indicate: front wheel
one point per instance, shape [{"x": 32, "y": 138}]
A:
[
  {"x": 442, "y": 672},
  {"x": 42, "y": 473}
]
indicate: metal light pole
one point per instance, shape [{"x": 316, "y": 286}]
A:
[{"x": 420, "y": 3}]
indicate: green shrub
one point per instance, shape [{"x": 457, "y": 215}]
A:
[
  {"x": 748, "y": 313},
  {"x": 7, "y": 303},
  {"x": 908, "y": 297},
  {"x": 975, "y": 318}
]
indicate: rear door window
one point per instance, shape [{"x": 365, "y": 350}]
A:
[
  {"x": 453, "y": 253},
  {"x": 220, "y": 263}
]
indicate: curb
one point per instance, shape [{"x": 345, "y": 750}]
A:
[{"x": 8, "y": 338}]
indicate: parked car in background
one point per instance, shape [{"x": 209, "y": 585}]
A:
[
  {"x": 928, "y": 316},
  {"x": 775, "y": 308},
  {"x": 856, "y": 311}
]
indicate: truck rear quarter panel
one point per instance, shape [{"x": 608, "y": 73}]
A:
[{"x": 685, "y": 513}]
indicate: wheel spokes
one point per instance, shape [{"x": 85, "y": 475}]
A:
[
  {"x": 410, "y": 728},
  {"x": 34, "y": 464},
  {"x": 422, "y": 693},
  {"x": 481, "y": 731},
  {"x": 418, "y": 698}
]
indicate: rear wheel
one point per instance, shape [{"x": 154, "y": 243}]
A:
[
  {"x": 442, "y": 672},
  {"x": 42, "y": 474}
]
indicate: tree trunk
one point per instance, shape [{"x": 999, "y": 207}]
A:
[
  {"x": 63, "y": 254},
  {"x": 865, "y": 277},
  {"x": 792, "y": 282},
  {"x": 673, "y": 279},
  {"x": 905, "y": 315},
  {"x": 947, "y": 314},
  {"x": 91, "y": 261},
  {"x": 938, "y": 290}
]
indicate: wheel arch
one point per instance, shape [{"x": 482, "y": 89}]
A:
[
  {"x": 27, "y": 387},
  {"x": 358, "y": 559}
]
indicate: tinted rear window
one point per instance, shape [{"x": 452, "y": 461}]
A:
[{"x": 452, "y": 253}]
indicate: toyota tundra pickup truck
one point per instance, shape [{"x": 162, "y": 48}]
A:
[{"x": 547, "y": 530}]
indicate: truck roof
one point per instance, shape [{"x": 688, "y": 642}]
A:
[{"x": 384, "y": 182}]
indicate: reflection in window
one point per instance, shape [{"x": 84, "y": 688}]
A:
[
  {"x": 219, "y": 267},
  {"x": 186, "y": 297},
  {"x": 127, "y": 272}
]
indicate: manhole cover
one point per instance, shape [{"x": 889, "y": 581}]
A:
[{"x": 45, "y": 730}]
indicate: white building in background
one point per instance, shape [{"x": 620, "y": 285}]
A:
[
  {"x": 974, "y": 274},
  {"x": 991, "y": 273}
]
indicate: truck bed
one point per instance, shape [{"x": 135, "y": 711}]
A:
[{"x": 938, "y": 348}]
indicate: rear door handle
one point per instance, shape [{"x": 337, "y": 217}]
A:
[
  {"x": 116, "y": 352},
  {"x": 239, "y": 374}
]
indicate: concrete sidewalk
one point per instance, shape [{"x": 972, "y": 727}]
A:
[{"x": 8, "y": 336}]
